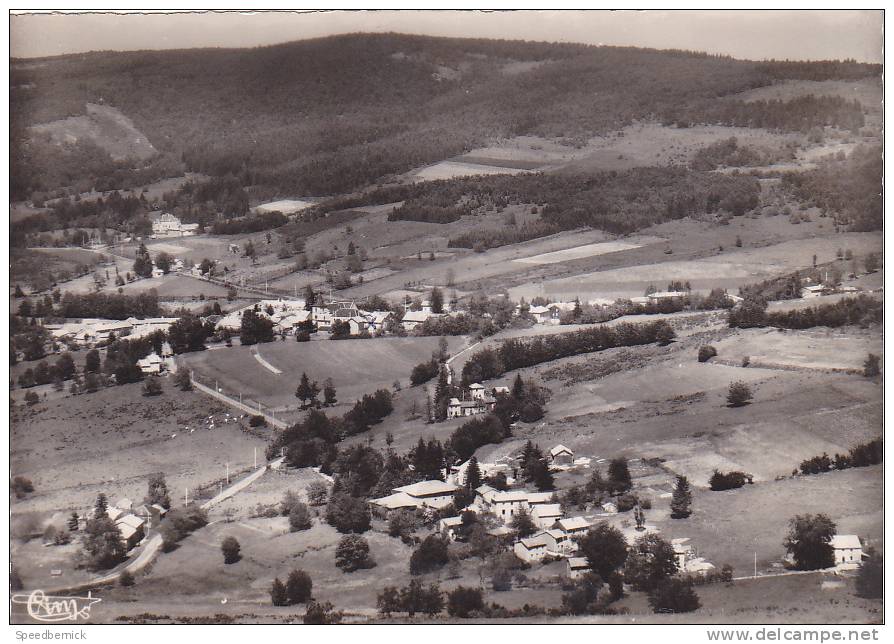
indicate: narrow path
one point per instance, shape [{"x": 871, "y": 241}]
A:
[{"x": 269, "y": 367}]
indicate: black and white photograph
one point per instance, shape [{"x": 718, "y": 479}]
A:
[{"x": 397, "y": 317}]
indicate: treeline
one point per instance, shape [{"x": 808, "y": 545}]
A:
[
  {"x": 850, "y": 188},
  {"x": 516, "y": 353},
  {"x": 861, "y": 310},
  {"x": 110, "y": 306},
  {"x": 799, "y": 114},
  {"x": 485, "y": 238},
  {"x": 251, "y": 224},
  {"x": 619, "y": 202},
  {"x": 862, "y": 455},
  {"x": 818, "y": 70}
]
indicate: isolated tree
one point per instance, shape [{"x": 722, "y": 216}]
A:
[
  {"x": 619, "y": 475},
  {"x": 871, "y": 262},
  {"x": 101, "y": 506},
  {"x": 278, "y": 594},
  {"x": 523, "y": 524},
  {"x": 518, "y": 388},
  {"x": 163, "y": 262},
  {"x": 352, "y": 553},
  {"x": 706, "y": 352},
  {"x": 347, "y": 513},
  {"x": 463, "y": 601},
  {"x": 182, "y": 380},
  {"x": 473, "y": 475},
  {"x": 255, "y": 328},
  {"x": 299, "y": 518},
  {"x": 329, "y": 394},
  {"x": 437, "y": 300},
  {"x": 681, "y": 499},
  {"x": 320, "y": 613},
  {"x": 871, "y": 578},
  {"x": 871, "y": 366},
  {"x": 605, "y": 549},
  {"x": 304, "y": 390},
  {"x": 126, "y": 579},
  {"x": 158, "y": 491},
  {"x": 739, "y": 394},
  {"x": 430, "y": 555},
  {"x": 317, "y": 493},
  {"x": 650, "y": 561},
  {"x": 674, "y": 596},
  {"x": 73, "y": 522},
  {"x": 152, "y": 386},
  {"x": 230, "y": 548},
  {"x": 540, "y": 475},
  {"x": 808, "y": 541},
  {"x": 299, "y": 587},
  {"x": 583, "y": 599}
]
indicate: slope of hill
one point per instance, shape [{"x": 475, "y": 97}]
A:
[{"x": 333, "y": 114}]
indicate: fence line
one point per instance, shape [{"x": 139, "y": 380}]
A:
[{"x": 254, "y": 411}]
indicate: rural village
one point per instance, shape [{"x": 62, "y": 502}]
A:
[{"x": 625, "y": 370}]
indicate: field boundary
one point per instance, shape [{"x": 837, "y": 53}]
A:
[{"x": 277, "y": 423}]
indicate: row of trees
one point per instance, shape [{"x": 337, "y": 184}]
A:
[
  {"x": 488, "y": 363},
  {"x": 862, "y": 310},
  {"x": 862, "y": 455}
]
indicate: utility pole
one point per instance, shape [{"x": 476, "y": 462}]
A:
[
  {"x": 755, "y": 563},
  {"x": 256, "y": 456},
  {"x": 186, "y": 496},
  {"x": 228, "y": 472}
]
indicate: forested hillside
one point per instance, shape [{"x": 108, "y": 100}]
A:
[{"x": 325, "y": 116}]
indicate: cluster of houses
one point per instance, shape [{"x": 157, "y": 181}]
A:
[
  {"x": 132, "y": 521},
  {"x": 164, "y": 224},
  {"x": 91, "y": 331}
]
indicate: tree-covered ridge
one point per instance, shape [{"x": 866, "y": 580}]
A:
[{"x": 329, "y": 115}]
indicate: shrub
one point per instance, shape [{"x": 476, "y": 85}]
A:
[
  {"x": 729, "y": 481},
  {"x": 348, "y": 514},
  {"x": 871, "y": 367},
  {"x": 706, "y": 352},
  {"x": 299, "y": 518},
  {"x": 739, "y": 394},
  {"x": 22, "y": 486},
  {"x": 152, "y": 387},
  {"x": 674, "y": 596},
  {"x": 298, "y": 587},
  {"x": 430, "y": 555},
  {"x": 257, "y": 421},
  {"x": 126, "y": 579},
  {"x": 352, "y": 553},
  {"x": 278, "y": 595},
  {"x": 322, "y": 613},
  {"x": 462, "y": 601},
  {"x": 871, "y": 578},
  {"x": 317, "y": 493},
  {"x": 230, "y": 548}
]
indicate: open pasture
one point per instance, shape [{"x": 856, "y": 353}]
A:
[
  {"x": 579, "y": 252},
  {"x": 112, "y": 440},
  {"x": 356, "y": 367}
]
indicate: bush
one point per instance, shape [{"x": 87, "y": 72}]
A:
[
  {"x": 22, "y": 486},
  {"x": 126, "y": 579},
  {"x": 298, "y": 587},
  {"x": 257, "y": 421},
  {"x": 352, "y": 553},
  {"x": 739, "y": 394},
  {"x": 299, "y": 518},
  {"x": 871, "y": 367},
  {"x": 317, "y": 493},
  {"x": 322, "y": 613},
  {"x": 230, "y": 548},
  {"x": 462, "y": 601},
  {"x": 278, "y": 595},
  {"x": 346, "y": 513},
  {"x": 152, "y": 387},
  {"x": 674, "y": 596},
  {"x": 871, "y": 578},
  {"x": 706, "y": 352},
  {"x": 430, "y": 555},
  {"x": 729, "y": 481}
]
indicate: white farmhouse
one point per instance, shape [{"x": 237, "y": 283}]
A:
[{"x": 848, "y": 550}]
